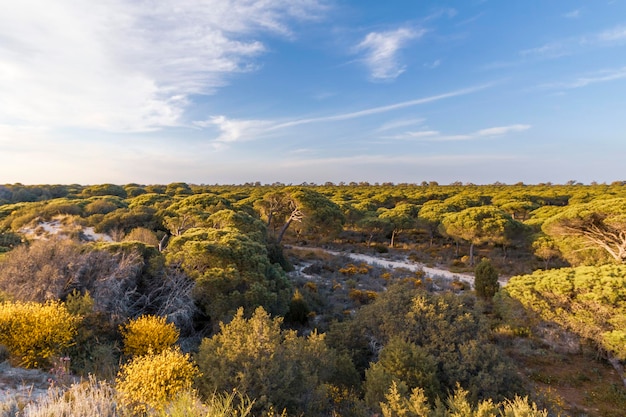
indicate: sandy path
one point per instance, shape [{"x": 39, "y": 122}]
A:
[{"x": 405, "y": 264}]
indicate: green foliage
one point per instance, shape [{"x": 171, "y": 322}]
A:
[
  {"x": 446, "y": 327},
  {"x": 103, "y": 190},
  {"x": 103, "y": 205},
  {"x": 143, "y": 235},
  {"x": 148, "y": 334},
  {"x": 230, "y": 269},
  {"x": 600, "y": 224},
  {"x": 545, "y": 248},
  {"x": 274, "y": 366},
  {"x": 402, "y": 217},
  {"x": 35, "y": 332},
  {"x": 150, "y": 381},
  {"x": 404, "y": 364},
  {"x": 479, "y": 225},
  {"x": 299, "y": 310},
  {"x": 590, "y": 301},
  {"x": 322, "y": 219},
  {"x": 486, "y": 279},
  {"x": 125, "y": 220}
]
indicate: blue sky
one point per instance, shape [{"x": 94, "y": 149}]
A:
[{"x": 292, "y": 91}]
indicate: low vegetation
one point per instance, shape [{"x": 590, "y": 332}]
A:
[{"x": 183, "y": 299}]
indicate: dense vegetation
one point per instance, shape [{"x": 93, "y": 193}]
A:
[{"x": 192, "y": 282}]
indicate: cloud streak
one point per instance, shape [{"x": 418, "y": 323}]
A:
[
  {"x": 434, "y": 135},
  {"x": 234, "y": 130},
  {"x": 568, "y": 46},
  {"x": 595, "y": 78},
  {"x": 383, "y": 109},
  {"x": 381, "y": 51}
]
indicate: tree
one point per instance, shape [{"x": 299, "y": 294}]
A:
[
  {"x": 478, "y": 225},
  {"x": 486, "y": 279},
  {"x": 373, "y": 225},
  {"x": 230, "y": 269},
  {"x": 545, "y": 248},
  {"x": 586, "y": 300},
  {"x": 600, "y": 224},
  {"x": 402, "y": 217},
  {"x": 432, "y": 213},
  {"x": 319, "y": 218}
]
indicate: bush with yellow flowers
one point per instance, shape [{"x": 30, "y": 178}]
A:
[
  {"x": 34, "y": 332},
  {"x": 150, "y": 382},
  {"x": 148, "y": 334}
]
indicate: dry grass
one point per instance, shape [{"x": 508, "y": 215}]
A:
[{"x": 582, "y": 384}]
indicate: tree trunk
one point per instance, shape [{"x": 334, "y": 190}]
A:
[
  {"x": 163, "y": 242},
  {"x": 283, "y": 230},
  {"x": 471, "y": 254},
  {"x": 393, "y": 238}
]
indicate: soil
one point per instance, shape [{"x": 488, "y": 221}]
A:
[{"x": 22, "y": 384}]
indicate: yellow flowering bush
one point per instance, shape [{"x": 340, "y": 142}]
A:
[
  {"x": 150, "y": 381},
  {"x": 35, "y": 332},
  {"x": 148, "y": 334}
]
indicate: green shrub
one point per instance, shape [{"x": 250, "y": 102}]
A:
[
  {"x": 35, "y": 332},
  {"x": 486, "y": 280},
  {"x": 148, "y": 334}
]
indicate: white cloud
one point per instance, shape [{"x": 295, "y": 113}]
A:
[
  {"x": 381, "y": 51},
  {"x": 433, "y": 65},
  {"x": 574, "y": 14},
  {"x": 124, "y": 65},
  {"x": 434, "y": 135},
  {"x": 611, "y": 35},
  {"x": 548, "y": 50},
  {"x": 502, "y": 130},
  {"x": 395, "y": 124},
  {"x": 233, "y": 130}
]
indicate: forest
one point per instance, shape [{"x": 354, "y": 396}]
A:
[{"x": 259, "y": 299}]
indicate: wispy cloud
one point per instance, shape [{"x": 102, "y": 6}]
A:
[
  {"x": 548, "y": 50},
  {"x": 433, "y": 65},
  {"x": 502, "y": 130},
  {"x": 434, "y": 135},
  {"x": 125, "y": 65},
  {"x": 383, "y": 109},
  {"x": 370, "y": 160},
  {"x": 574, "y": 14},
  {"x": 395, "y": 124},
  {"x": 381, "y": 50},
  {"x": 233, "y": 130},
  {"x": 565, "y": 47},
  {"x": 594, "y": 78},
  {"x": 611, "y": 35}
]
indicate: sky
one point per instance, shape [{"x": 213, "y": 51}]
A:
[{"x": 294, "y": 91}]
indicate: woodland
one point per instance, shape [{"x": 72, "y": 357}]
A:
[{"x": 247, "y": 300}]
